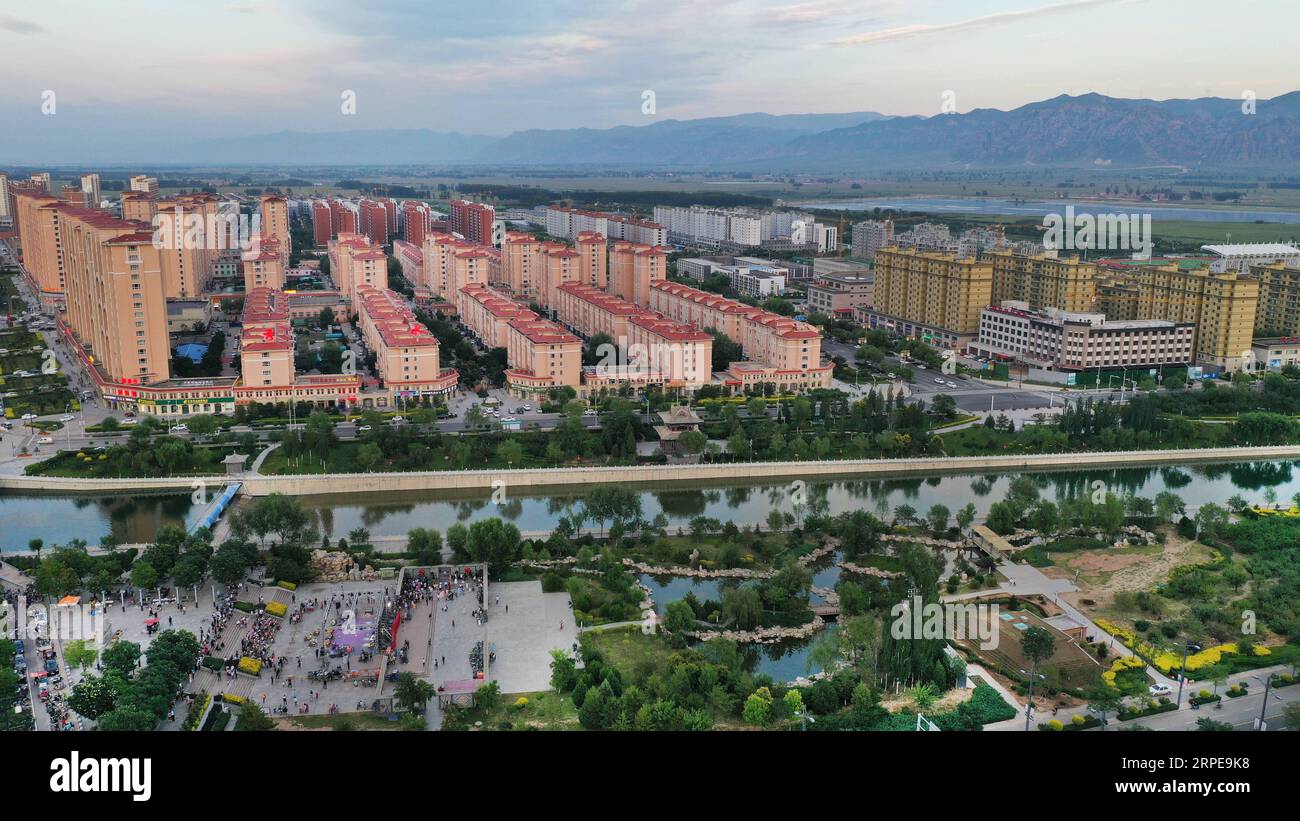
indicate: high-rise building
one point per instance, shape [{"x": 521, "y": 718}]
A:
[
  {"x": 138, "y": 206},
  {"x": 115, "y": 299},
  {"x": 1222, "y": 306},
  {"x": 416, "y": 219},
  {"x": 275, "y": 226},
  {"x": 143, "y": 184},
  {"x": 450, "y": 264},
  {"x": 189, "y": 238},
  {"x": 266, "y": 342},
  {"x": 1044, "y": 281},
  {"x": 90, "y": 187},
  {"x": 374, "y": 221},
  {"x": 6, "y": 209},
  {"x": 406, "y": 352},
  {"x": 870, "y": 236},
  {"x": 473, "y": 221},
  {"x": 1278, "y": 314},
  {"x": 634, "y": 269},
  {"x": 931, "y": 296},
  {"x": 355, "y": 261},
  {"x": 322, "y": 223},
  {"x": 36, "y": 217}
]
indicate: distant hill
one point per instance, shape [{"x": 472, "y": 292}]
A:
[{"x": 1066, "y": 131}]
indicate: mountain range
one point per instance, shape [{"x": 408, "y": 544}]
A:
[{"x": 1066, "y": 131}]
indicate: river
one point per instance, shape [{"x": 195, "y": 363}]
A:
[
  {"x": 1039, "y": 208},
  {"x": 59, "y": 519}
]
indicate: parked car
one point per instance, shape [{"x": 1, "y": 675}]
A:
[
  {"x": 178, "y": 429},
  {"x": 364, "y": 429},
  {"x": 1160, "y": 689}
]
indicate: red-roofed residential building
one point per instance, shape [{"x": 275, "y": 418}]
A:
[
  {"x": 406, "y": 352},
  {"x": 322, "y": 223},
  {"x": 541, "y": 356},
  {"x": 356, "y": 261},
  {"x": 779, "y": 349},
  {"x": 473, "y": 221},
  {"x": 634, "y": 268}
]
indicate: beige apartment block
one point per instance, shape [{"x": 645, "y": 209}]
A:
[
  {"x": 275, "y": 224},
  {"x": 1044, "y": 281},
  {"x": 634, "y": 269},
  {"x": 541, "y": 356},
  {"x": 1222, "y": 306},
  {"x": 266, "y": 345},
  {"x": 356, "y": 262},
  {"x": 190, "y": 238},
  {"x": 36, "y": 215},
  {"x": 115, "y": 299},
  {"x": 931, "y": 295},
  {"x": 406, "y": 352},
  {"x": 1279, "y": 300},
  {"x": 488, "y": 313}
]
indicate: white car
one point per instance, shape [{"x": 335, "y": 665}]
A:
[
  {"x": 938, "y": 381},
  {"x": 1160, "y": 689},
  {"x": 130, "y": 421},
  {"x": 45, "y": 440},
  {"x": 364, "y": 429},
  {"x": 528, "y": 408},
  {"x": 27, "y": 417},
  {"x": 67, "y": 417},
  {"x": 951, "y": 384},
  {"x": 179, "y": 429},
  {"x": 920, "y": 367},
  {"x": 589, "y": 412}
]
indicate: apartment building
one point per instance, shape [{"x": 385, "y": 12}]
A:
[
  {"x": 406, "y": 352},
  {"x": 590, "y": 311},
  {"x": 450, "y": 263},
  {"x": 345, "y": 217},
  {"x": 275, "y": 225},
  {"x": 571, "y": 223},
  {"x": 1222, "y": 306},
  {"x": 541, "y": 356},
  {"x": 36, "y": 216},
  {"x": 780, "y": 350},
  {"x": 417, "y": 219},
  {"x": 90, "y": 187},
  {"x": 190, "y": 236},
  {"x": 144, "y": 184},
  {"x": 1044, "y": 281},
  {"x": 870, "y": 236},
  {"x": 138, "y": 206},
  {"x": 355, "y": 262},
  {"x": 1278, "y": 313},
  {"x": 932, "y": 296},
  {"x": 266, "y": 345},
  {"x": 634, "y": 269},
  {"x": 6, "y": 210},
  {"x": 374, "y": 221},
  {"x": 1061, "y": 340},
  {"x": 263, "y": 268},
  {"x": 473, "y": 221},
  {"x": 487, "y": 313},
  {"x": 322, "y": 223},
  {"x": 116, "y": 304},
  {"x": 841, "y": 293}
]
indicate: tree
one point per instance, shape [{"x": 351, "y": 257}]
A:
[
  {"x": 606, "y": 502},
  {"x": 938, "y": 516},
  {"x": 744, "y": 606},
  {"x": 1037, "y": 645},
  {"x": 758, "y": 707},
  {"x": 510, "y": 452},
  {"x": 563, "y": 671},
  {"x": 1168, "y": 505},
  {"x": 493, "y": 542},
  {"x": 250, "y": 718},
  {"x": 692, "y": 442},
  {"x": 80, "y": 654},
  {"x": 412, "y": 693},
  {"x": 965, "y": 516},
  {"x": 1001, "y": 518},
  {"x": 426, "y": 544},
  {"x": 1209, "y": 725},
  {"x": 1103, "y": 699},
  {"x": 143, "y": 575},
  {"x": 95, "y": 695},
  {"x": 127, "y": 720},
  {"x": 679, "y": 617},
  {"x": 228, "y": 565},
  {"x": 1291, "y": 712},
  {"x": 121, "y": 658}
]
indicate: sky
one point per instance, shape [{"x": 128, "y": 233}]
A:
[{"x": 125, "y": 76}]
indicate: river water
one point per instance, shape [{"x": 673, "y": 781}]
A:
[
  {"x": 58, "y": 520},
  {"x": 1039, "y": 208}
]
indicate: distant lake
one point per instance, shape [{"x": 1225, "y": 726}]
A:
[{"x": 1039, "y": 208}]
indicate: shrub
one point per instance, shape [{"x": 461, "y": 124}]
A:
[
  {"x": 250, "y": 665},
  {"x": 231, "y": 698},
  {"x": 277, "y": 609},
  {"x": 1078, "y": 721},
  {"x": 520, "y": 703},
  {"x": 287, "y": 585},
  {"x": 1055, "y": 725}
]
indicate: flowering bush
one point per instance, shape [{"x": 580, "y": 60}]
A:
[
  {"x": 1078, "y": 721},
  {"x": 277, "y": 609},
  {"x": 196, "y": 711},
  {"x": 287, "y": 585},
  {"x": 520, "y": 703},
  {"x": 250, "y": 665},
  {"x": 231, "y": 698},
  {"x": 1120, "y": 665}
]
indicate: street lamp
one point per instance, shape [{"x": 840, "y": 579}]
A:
[
  {"x": 1029, "y": 704},
  {"x": 1261, "y": 725},
  {"x": 1182, "y": 671}
]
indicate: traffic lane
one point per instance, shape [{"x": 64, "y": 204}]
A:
[{"x": 1004, "y": 400}]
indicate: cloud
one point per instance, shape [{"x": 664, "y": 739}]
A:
[
  {"x": 997, "y": 18},
  {"x": 20, "y": 26}
]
